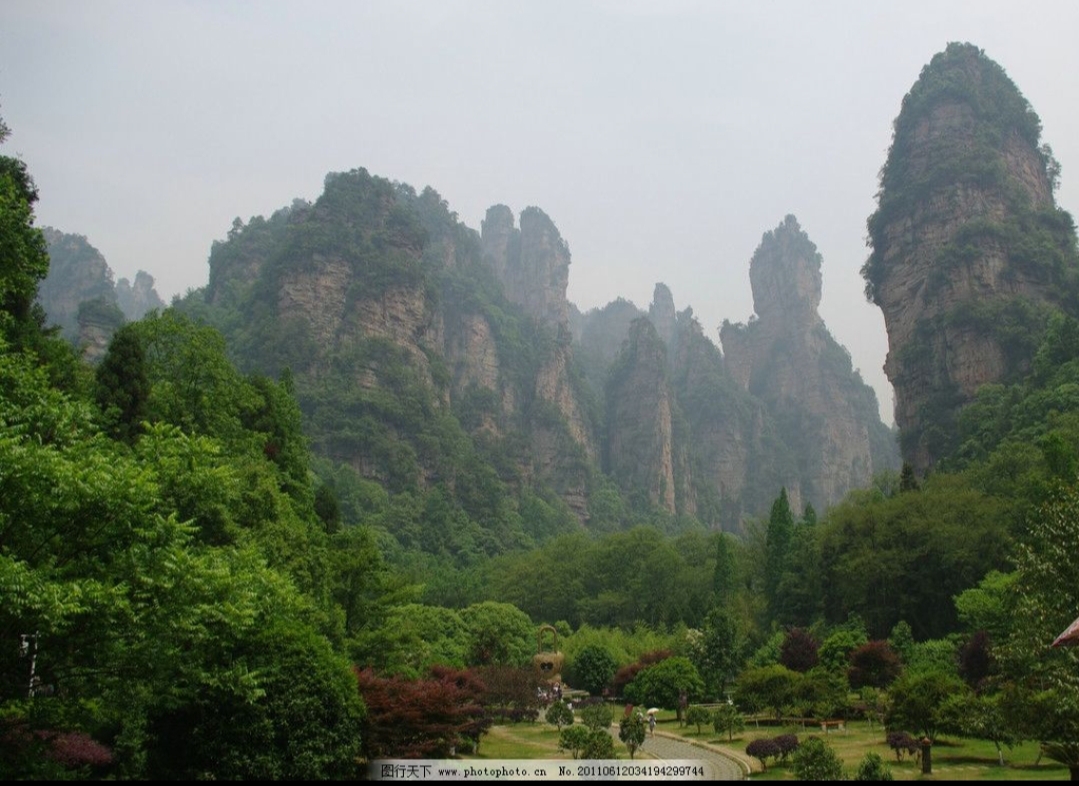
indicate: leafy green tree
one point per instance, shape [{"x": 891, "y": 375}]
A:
[
  {"x": 665, "y": 683},
  {"x": 598, "y": 716},
  {"x": 834, "y": 652},
  {"x": 631, "y": 730},
  {"x": 767, "y": 688},
  {"x": 901, "y": 640},
  {"x": 799, "y": 591},
  {"x": 724, "y": 576},
  {"x": 988, "y": 606},
  {"x": 698, "y": 716},
  {"x": 717, "y": 652},
  {"x": 1045, "y": 606},
  {"x": 559, "y": 715},
  {"x": 821, "y": 693},
  {"x": 815, "y": 760},
  {"x": 574, "y": 739},
  {"x": 726, "y": 719},
  {"x": 22, "y": 247},
  {"x": 870, "y": 568},
  {"x": 499, "y": 633},
  {"x": 918, "y": 702},
  {"x": 413, "y": 637},
  {"x": 592, "y": 669},
  {"x": 983, "y": 717}
]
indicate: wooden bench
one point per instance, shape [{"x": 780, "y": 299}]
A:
[{"x": 839, "y": 725}]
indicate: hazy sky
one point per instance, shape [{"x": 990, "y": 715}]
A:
[{"x": 663, "y": 138}]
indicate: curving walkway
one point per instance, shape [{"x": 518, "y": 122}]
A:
[{"x": 723, "y": 763}]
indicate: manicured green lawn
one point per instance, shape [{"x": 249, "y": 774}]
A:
[{"x": 953, "y": 758}]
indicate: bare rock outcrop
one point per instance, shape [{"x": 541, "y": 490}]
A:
[
  {"x": 968, "y": 248},
  {"x": 787, "y": 358}
]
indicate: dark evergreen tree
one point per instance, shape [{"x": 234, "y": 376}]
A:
[
  {"x": 777, "y": 545},
  {"x": 122, "y": 386}
]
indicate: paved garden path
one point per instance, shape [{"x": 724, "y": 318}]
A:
[{"x": 724, "y": 764}]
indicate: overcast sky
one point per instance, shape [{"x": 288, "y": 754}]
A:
[{"x": 663, "y": 138}]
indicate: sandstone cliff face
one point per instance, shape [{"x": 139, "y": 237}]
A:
[
  {"x": 137, "y": 299},
  {"x": 77, "y": 273},
  {"x": 78, "y": 294},
  {"x": 532, "y": 263},
  {"x": 738, "y": 462},
  {"x": 965, "y": 195},
  {"x": 789, "y": 360},
  {"x": 403, "y": 316},
  {"x": 640, "y": 441}
]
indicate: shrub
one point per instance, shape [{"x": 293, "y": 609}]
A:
[
  {"x": 816, "y": 761},
  {"x": 597, "y": 716},
  {"x": 786, "y": 744},
  {"x": 574, "y": 739},
  {"x": 600, "y": 745},
  {"x": 558, "y": 714},
  {"x": 900, "y": 741},
  {"x": 763, "y": 749},
  {"x": 873, "y": 768}
]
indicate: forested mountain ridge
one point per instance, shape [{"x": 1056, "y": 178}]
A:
[
  {"x": 189, "y": 593},
  {"x": 375, "y": 295},
  {"x": 970, "y": 254}
]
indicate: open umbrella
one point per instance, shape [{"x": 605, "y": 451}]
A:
[
  {"x": 1069, "y": 636},
  {"x": 653, "y": 710}
]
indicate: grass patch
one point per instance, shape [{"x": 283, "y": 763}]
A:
[
  {"x": 520, "y": 741},
  {"x": 953, "y": 758}
]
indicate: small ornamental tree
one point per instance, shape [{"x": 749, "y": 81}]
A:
[
  {"x": 414, "y": 719},
  {"x": 600, "y": 745},
  {"x": 874, "y": 664},
  {"x": 698, "y": 716},
  {"x": 763, "y": 749},
  {"x": 631, "y": 730},
  {"x": 901, "y": 742},
  {"x": 816, "y": 761},
  {"x": 786, "y": 744},
  {"x": 798, "y": 652},
  {"x": 976, "y": 660},
  {"x": 574, "y": 739},
  {"x": 918, "y": 701},
  {"x": 559, "y": 715},
  {"x": 727, "y": 719}
]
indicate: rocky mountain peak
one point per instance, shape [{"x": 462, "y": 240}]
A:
[
  {"x": 662, "y": 313},
  {"x": 532, "y": 262},
  {"x": 785, "y": 273},
  {"x": 138, "y": 298},
  {"x": 791, "y": 362},
  {"x": 969, "y": 251}
]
